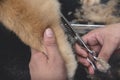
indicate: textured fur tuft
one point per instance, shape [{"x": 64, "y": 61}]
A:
[{"x": 99, "y": 11}]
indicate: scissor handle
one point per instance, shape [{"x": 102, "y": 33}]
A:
[
  {"x": 93, "y": 64},
  {"x": 82, "y": 43}
]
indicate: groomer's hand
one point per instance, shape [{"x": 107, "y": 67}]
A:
[
  {"x": 50, "y": 66},
  {"x": 103, "y": 40}
]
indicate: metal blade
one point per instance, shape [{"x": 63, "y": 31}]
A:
[{"x": 67, "y": 25}]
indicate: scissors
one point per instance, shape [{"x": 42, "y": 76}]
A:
[{"x": 92, "y": 59}]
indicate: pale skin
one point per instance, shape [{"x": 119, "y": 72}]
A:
[
  {"x": 105, "y": 41},
  {"x": 50, "y": 66}
]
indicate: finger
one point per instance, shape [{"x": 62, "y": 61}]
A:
[
  {"x": 108, "y": 48},
  {"x": 34, "y": 51},
  {"x": 50, "y": 43},
  {"x": 90, "y": 39},
  {"x": 96, "y": 48},
  {"x": 83, "y": 61},
  {"x": 90, "y": 70},
  {"x": 49, "y": 38},
  {"x": 80, "y": 51},
  {"x": 38, "y": 56}
]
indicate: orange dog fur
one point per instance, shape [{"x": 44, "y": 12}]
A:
[{"x": 29, "y": 19}]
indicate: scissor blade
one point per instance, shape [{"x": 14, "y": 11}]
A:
[
  {"x": 67, "y": 26},
  {"x": 75, "y": 35},
  {"x": 87, "y": 25}
]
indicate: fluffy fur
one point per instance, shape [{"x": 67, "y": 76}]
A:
[
  {"x": 99, "y": 11},
  {"x": 29, "y": 18}
]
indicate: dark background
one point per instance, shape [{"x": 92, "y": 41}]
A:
[{"x": 15, "y": 56}]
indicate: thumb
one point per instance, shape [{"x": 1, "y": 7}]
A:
[
  {"x": 49, "y": 38},
  {"x": 50, "y": 43}
]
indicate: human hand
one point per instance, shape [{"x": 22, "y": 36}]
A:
[
  {"x": 50, "y": 66},
  {"x": 103, "y": 41}
]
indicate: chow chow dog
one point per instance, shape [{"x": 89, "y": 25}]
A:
[{"x": 28, "y": 19}]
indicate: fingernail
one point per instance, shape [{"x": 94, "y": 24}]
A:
[{"x": 49, "y": 32}]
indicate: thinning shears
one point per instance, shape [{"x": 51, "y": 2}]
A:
[{"x": 91, "y": 53}]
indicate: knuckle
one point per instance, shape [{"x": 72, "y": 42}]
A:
[{"x": 50, "y": 42}]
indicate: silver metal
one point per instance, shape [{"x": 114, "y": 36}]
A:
[
  {"x": 80, "y": 39},
  {"x": 94, "y": 67},
  {"x": 87, "y": 25},
  {"x": 91, "y": 54}
]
